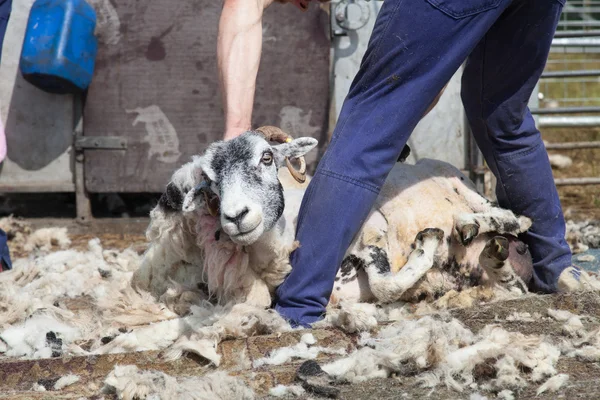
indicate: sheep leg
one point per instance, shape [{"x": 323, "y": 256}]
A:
[
  {"x": 494, "y": 260},
  {"x": 388, "y": 287},
  {"x": 498, "y": 220},
  {"x": 258, "y": 293}
]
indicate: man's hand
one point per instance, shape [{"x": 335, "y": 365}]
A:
[{"x": 239, "y": 46}]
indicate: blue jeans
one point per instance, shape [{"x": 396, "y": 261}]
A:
[
  {"x": 414, "y": 50},
  {"x": 5, "y": 8}
]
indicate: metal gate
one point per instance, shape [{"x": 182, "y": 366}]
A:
[{"x": 569, "y": 90}]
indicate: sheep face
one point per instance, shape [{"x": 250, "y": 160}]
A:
[{"x": 243, "y": 172}]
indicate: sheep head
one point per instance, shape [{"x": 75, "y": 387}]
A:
[{"x": 242, "y": 172}]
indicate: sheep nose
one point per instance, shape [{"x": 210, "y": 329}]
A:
[{"x": 237, "y": 218}]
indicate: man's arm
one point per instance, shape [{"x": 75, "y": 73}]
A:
[{"x": 239, "y": 48}]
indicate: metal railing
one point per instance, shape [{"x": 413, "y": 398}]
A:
[{"x": 569, "y": 89}]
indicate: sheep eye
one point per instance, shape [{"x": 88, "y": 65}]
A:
[{"x": 267, "y": 159}]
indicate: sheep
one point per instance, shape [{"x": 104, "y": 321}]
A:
[
  {"x": 429, "y": 232},
  {"x": 176, "y": 255}
]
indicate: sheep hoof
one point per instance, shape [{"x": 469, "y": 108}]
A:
[
  {"x": 467, "y": 233},
  {"x": 429, "y": 233},
  {"x": 497, "y": 248},
  {"x": 315, "y": 380}
]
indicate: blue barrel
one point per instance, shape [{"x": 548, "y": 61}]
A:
[{"x": 59, "y": 49}]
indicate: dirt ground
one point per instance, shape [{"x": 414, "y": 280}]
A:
[{"x": 17, "y": 377}]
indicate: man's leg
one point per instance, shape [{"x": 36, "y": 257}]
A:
[
  {"x": 5, "y": 262},
  {"x": 414, "y": 50},
  {"x": 498, "y": 80}
]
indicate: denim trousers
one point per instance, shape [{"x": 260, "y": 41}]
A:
[
  {"x": 415, "y": 48},
  {"x": 5, "y": 8}
]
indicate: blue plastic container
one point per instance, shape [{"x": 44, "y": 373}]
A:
[{"x": 59, "y": 49}]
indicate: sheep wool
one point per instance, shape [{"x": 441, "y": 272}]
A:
[
  {"x": 442, "y": 350},
  {"x": 304, "y": 350},
  {"x": 553, "y": 384},
  {"x": 65, "y": 381},
  {"x": 285, "y": 391},
  {"x": 128, "y": 382}
]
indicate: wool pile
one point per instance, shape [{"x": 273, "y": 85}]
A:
[
  {"x": 129, "y": 383},
  {"x": 62, "y": 302},
  {"x": 441, "y": 350},
  {"x": 583, "y": 235}
]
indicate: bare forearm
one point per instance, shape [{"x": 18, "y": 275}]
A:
[{"x": 238, "y": 53}]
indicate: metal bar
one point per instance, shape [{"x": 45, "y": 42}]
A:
[
  {"x": 576, "y": 34},
  {"x": 572, "y": 74},
  {"x": 36, "y": 187},
  {"x": 558, "y": 122},
  {"x": 577, "y": 181},
  {"x": 576, "y": 42},
  {"x": 573, "y": 145},
  {"x": 579, "y": 23},
  {"x": 580, "y": 11},
  {"x": 82, "y": 198},
  {"x": 583, "y": 10},
  {"x": 565, "y": 110},
  {"x": 100, "y": 142}
]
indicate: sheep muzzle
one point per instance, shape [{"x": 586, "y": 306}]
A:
[{"x": 274, "y": 134}]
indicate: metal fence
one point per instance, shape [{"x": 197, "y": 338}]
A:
[{"x": 569, "y": 91}]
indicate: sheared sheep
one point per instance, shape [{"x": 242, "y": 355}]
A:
[{"x": 429, "y": 231}]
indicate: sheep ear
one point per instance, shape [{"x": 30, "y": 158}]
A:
[
  {"x": 205, "y": 163},
  {"x": 172, "y": 198},
  {"x": 294, "y": 149}
]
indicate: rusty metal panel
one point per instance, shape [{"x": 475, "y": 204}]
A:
[{"x": 156, "y": 84}]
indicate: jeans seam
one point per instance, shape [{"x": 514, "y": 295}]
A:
[
  {"x": 350, "y": 180},
  {"x": 467, "y": 13},
  {"x": 519, "y": 154}
]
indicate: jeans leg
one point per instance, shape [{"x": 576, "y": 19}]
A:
[
  {"x": 497, "y": 83},
  {"x": 5, "y": 9},
  {"x": 5, "y": 261},
  {"x": 413, "y": 52}
]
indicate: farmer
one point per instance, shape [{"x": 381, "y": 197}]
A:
[
  {"x": 421, "y": 44},
  {"x": 5, "y": 7}
]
